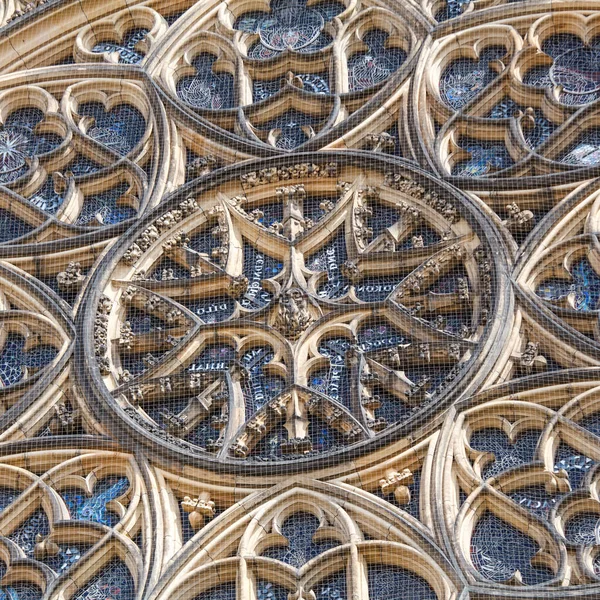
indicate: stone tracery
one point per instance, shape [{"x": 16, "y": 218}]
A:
[{"x": 361, "y": 365}]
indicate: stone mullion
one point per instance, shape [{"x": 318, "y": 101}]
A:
[
  {"x": 244, "y": 83},
  {"x": 355, "y": 363},
  {"x": 297, "y": 424},
  {"x": 358, "y": 585},
  {"x": 237, "y": 408}
]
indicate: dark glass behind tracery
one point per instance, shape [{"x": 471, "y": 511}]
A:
[
  {"x": 498, "y": 550},
  {"x": 119, "y": 129},
  {"x": 207, "y": 89},
  {"x": 299, "y": 529},
  {"x": 366, "y": 69}
]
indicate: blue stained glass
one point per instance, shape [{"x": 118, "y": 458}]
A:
[
  {"x": 250, "y": 21},
  {"x": 376, "y": 289},
  {"x": 207, "y": 89},
  {"x": 378, "y": 336},
  {"x": 333, "y": 381},
  {"x": 93, "y": 508},
  {"x": 486, "y": 157},
  {"x": 557, "y": 44},
  {"x": 505, "y": 109},
  {"x": 25, "y": 535},
  {"x": 591, "y": 423},
  {"x": 203, "y": 435},
  {"x": 328, "y": 9},
  {"x": 315, "y": 208},
  {"x": 290, "y": 25},
  {"x": 46, "y": 198},
  {"x": 83, "y": 165},
  {"x": 269, "y": 447},
  {"x": 452, "y": 9},
  {"x": 583, "y": 529},
  {"x": 113, "y": 582},
  {"x": 538, "y": 77},
  {"x": 387, "y": 581},
  {"x": 498, "y": 550},
  {"x": 463, "y": 79},
  {"x": 271, "y": 213},
  {"x": 321, "y": 42},
  {"x": 574, "y": 463},
  {"x": 168, "y": 269},
  {"x": 384, "y": 216},
  {"x": 535, "y": 499},
  {"x": 259, "y": 52},
  {"x": 454, "y": 323},
  {"x": 105, "y": 209},
  {"x": 67, "y": 556},
  {"x": 329, "y": 259},
  {"x": 7, "y": 496},
  {"x": 14, "y": 360},
  {"x": 534, "y": 136},
  {"x": 19, "y": 141},
  {"x": 260, "y": 387},
  {"x": 21, "y": 591},
  {"x": 392, "y": 409},
  {"x": 434, "y": 373},
  {"x": 317, "y": 83},
  {"x": 126, "y": 50},
  {"x": 506, "y": 454},
  {"x": 225, "y": 591},
  {"x": 119, "y": 129},
  {"x": 585, "y": 285},
  {"x": 448, "y": 284},
  {"x": 540, "y": 132},
  {"x": 172, "y": 17},
  {"x": 427, "y": 234},
  {"x": 300, "y": 529},
  {"x": 134, "y": 362},
  {"x": 291, "y": 123},
  {"x": 212, "y": 310},
  {"x": 366, "y": 69},
  {"x": 575, "y": 69},
  {"x": 585, "y": 151},
  {"x": 203, "y": 241},
  {"x": 265, "y": 590},
  {"x": 12, "y": 227},
  {"x": 333, "y": 587},
  {"x": 142, "y": 322},
  {"x": 214, "y": 358},
  {"x": 324, "y": 437},
  {"x": 258, "y": 266}
]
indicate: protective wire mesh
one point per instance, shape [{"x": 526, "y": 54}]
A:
[{"x": 299, "y": 299}]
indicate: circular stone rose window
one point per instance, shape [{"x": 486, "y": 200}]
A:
[{"x": 287, "y": 310}]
